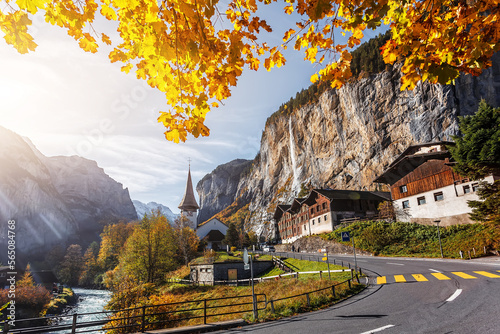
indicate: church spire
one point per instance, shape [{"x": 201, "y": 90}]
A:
[{"x": 188, "y": 202}]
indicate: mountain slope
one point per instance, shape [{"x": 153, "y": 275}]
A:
[
  {"x": 352, "y": 134},
  {"x": 56, "y": 200}
]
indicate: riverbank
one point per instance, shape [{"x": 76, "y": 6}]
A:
[{"x": 60, "y": 302}]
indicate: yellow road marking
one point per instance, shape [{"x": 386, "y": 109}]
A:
[
  {"x": 420, "y": 278},
  {"x": 381, "y": 280},
  {"x": 487, "y": 274},
  {"x": 440, "y": 276},
  {"x": 399, "y": 278},
  {"x": 463, "y": 275}
]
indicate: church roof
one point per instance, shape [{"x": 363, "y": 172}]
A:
[{"x": 188, "y": 202}]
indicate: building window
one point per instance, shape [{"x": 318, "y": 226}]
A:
[
  {"x": 406, "y": 204},
  {"x": 466, "y": 189},
  {"x": 313, "y": 221},
  {"x": 312, "y": 211},
  {"x": 438, "y": 196},
  {"x": 319, "y": 219},
  {"x": 421, "y": 200},
  {"x": 475, "y": 187},
  {"x": 325, "y": 218},
  {"x": 403, "y": 189},
  {"x": 324, "y": 206},
  {"x": 209, "y": 270}
]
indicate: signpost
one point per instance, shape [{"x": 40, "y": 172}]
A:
[
  {"x": 347, "y": 237},
  {"x": 246, "y": 265}
]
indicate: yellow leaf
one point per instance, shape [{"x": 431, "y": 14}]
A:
[
  {"x": 105, "y": 39},
  {"x": 88, "y": 43},
  {"x": 108, "y": 12},
  {"x": 314, "y": 78}
]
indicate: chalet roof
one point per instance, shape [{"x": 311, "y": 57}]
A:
[
  {"x": 188, "y": 202},
  {"x": 334, "y": 194},
  {"x": 280, "y": 210},
  {"x": 297, "y": 204},
  {"x": 407, "y": 161}
]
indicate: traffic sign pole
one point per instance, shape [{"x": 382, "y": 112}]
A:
[{"x": 354, "y": 250}]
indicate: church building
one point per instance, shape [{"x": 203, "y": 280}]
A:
[
  {"x": 189, "y": 207},
  {"x": 212, "y": 231}
]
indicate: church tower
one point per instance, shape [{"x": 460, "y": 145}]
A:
[{"x": 189, "y": 207}]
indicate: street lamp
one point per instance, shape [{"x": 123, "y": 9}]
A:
[{"x": 439, "y": 237}]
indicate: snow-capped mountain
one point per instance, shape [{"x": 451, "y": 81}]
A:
[{"x": 142, "y": 209}]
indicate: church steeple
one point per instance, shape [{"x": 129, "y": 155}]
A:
[{"x": 188, "y": 204}]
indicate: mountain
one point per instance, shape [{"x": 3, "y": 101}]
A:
[
  {"x": 218, "y": 189},
  {"x": 54, "y": 200},
  {"x": 142, "y": 209},
  {"x": 348, "y": 136}
]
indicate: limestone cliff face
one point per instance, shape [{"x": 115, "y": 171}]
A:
[
  {"x": 56, "y": 200},
  {"x": 218, "y": 189},
  {"x": 351, "y": 135}
]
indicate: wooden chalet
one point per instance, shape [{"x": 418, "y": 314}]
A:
[
  {"x": 425, "y": 188},
  {"x": 323, "y": 209}
]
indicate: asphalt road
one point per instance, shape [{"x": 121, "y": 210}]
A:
[{"x": 444, "y": 296}]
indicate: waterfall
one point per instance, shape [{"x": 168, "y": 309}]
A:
[{"x": 295, "y": 170}]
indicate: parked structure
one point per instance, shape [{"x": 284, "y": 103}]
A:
[
  {"x": 425, "y": 188},
  {"x": 322, "y": 210}
]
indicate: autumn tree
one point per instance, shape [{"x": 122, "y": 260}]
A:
[
  {"x": 187, "y": 239},
  {"x": 113, "y": 239},
  {"x": 91, "y": 271},
  {"x": 72, "y": 265},
  {"x": 194, "y": 51},
  {"x": 150, "y": 251}
]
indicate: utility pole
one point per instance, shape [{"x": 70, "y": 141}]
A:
[{"x": 439, "y": 237}]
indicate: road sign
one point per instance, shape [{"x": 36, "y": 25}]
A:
[
  {"x": 346, "y": 236},
  {"x": 245, "y": 257}
]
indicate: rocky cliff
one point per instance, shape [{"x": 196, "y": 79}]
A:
[
  {"x": 350, "y": 135},
  {"x": 54, "y": 200},
  {"x": 218, "y": 189}
]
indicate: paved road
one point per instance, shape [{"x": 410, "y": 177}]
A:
[{"x": 444, "y": 296}]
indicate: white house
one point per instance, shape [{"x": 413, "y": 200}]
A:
[
  {"x": 425, "y": 188},
  {"x": 214, "y": 231}
]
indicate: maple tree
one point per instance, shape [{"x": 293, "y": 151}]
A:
[{"x": 195, "y": 50}]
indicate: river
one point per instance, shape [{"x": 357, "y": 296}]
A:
[{"x": 88, "y": 301}]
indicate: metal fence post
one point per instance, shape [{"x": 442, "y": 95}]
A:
[
  {"x": 143, "y": 327},
  {"x": 333, "y": 290},
  {"x": 349, "y": 282},
  {"x": 73, "y": 326},
  {"x": 204, "y": 311},
  {"x": 272, "y": 306},
  {"x": 6, "y": 326},
  {"x": 308, "y": 300}
]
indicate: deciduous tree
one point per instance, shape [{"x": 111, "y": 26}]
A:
[
  {"x": 150, "y": 251},
  {"x": 187, "y": 239},
  {"x": 71, "y": 266},
  {"x": 113, "y": 239},
  {"x": 195, "y": 50}
]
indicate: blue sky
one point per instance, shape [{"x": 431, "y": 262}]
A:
[{"x": 71, "y": 102}]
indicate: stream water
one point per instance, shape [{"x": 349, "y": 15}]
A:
[{"x": 88, "y": 301}]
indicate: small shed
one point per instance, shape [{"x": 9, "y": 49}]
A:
[{"x": 221, "y": 272}]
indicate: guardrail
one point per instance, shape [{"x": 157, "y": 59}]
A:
[{"x": 142, "y": 318}]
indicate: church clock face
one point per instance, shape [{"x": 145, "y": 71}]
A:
[{"x": 190, "y": 214}]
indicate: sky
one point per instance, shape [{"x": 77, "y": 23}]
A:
[{"x": 69, "y": 102}]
